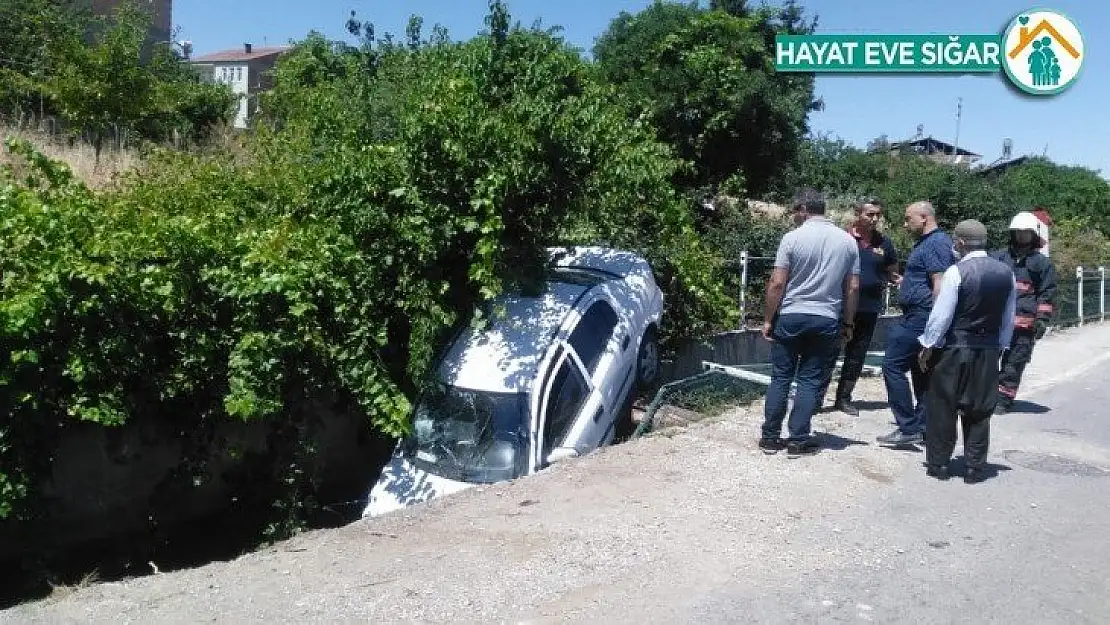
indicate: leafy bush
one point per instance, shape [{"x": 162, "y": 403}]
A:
[{"x": 334, "y": 256}]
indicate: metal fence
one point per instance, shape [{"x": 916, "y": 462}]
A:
[
  {"x": 1081, "y": 294},
  {"x": 754, "y": 273}
]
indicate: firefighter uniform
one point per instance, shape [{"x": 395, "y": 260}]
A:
[{"x": 1035, "y": 278}]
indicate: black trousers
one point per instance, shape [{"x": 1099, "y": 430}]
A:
[
  {"x": 1013, "y": 366},
  {"x": 963, "y": 385},
  {"x": 855, "y": 352}
]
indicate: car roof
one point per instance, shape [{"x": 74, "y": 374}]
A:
[
  {"x": 503, "y": 357},
  {"x": 618, "y": 263}
]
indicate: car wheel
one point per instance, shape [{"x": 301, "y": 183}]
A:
[{"x": 647, "y": 360}]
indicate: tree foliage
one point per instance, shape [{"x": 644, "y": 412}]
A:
[
  {"x": 101, "y": 74},
  {"x": 1072, "y": 194},
  {"x": 706, "y": 78}
]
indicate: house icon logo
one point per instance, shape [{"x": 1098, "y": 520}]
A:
[{"x": 1042, "y": 51}]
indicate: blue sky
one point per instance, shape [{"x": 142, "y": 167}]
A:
[{"x": 1071, "y": 128}]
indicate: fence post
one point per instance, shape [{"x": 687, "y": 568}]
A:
[
  {"x": 743, "y": 288},
  {"x": 1079, "y": 291},
  {"x": 1101, "y": 293}
]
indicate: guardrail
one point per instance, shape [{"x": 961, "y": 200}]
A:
[
  {"x": 1081, "y": 296},
  {"x": 1090, "y": 287}
]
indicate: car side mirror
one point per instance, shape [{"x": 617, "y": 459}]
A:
[{"x": 561, "y": 453}]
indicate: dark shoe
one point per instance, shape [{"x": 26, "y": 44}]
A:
[
  {"x": 847, "y": 408},
  {"x": 938, "y": 471},
  {"x": 974, "y": 476},
  {"x": 772, "y": 445},
  {"x": 897, "y": 437},
  {"x": 803, "y": 447}
]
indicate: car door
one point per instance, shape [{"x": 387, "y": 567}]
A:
[
  {"x": 567, "y": 395},
  {"x": 602, "y": 342}
]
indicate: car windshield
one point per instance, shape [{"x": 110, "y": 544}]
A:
[
  {"x": 582, "y": 276},
  {"x": 470, "y": 436}
]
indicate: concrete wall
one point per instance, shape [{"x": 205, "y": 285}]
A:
[
  {"x": 127, "y": 481},
  {"x": 741, "y": 347}
]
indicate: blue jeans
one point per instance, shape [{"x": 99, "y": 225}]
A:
[
  {"x": 803, "y": 351},
  {"x": 901, "y": 357}
]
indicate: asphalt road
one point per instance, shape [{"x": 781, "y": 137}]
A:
[
  {"x": 697, "y": 526},
  {"x": 1031, "y": 545}
]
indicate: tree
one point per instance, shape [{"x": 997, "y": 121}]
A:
[
  {"x": 104, "y": 87},
  {"x": 31, "y": 34},
  {"x": 1065, "y": 190},
  {"x": 706, "y": 79}
]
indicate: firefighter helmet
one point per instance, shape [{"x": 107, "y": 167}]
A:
[{"x": 1025, "y": 221}]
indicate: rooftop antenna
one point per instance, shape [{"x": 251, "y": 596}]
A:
[
  {"x": 1045, "y": 151},
  {"x": 1007, "y": 149}
]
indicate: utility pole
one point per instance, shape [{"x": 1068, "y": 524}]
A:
[
  {"x": 956, "y": 157},
  {"x": 959, "y": 116}
]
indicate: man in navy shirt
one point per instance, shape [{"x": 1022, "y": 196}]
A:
[
  {"x": 932, "y": 255},
  {"x": 878, "y": 262}
]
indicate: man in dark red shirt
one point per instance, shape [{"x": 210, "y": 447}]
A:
[{"x": 878, "y": 262}]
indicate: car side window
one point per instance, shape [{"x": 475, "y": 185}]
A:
[
  {"x": 568, "y": 392},
  {"x": 593, "y": 332}
]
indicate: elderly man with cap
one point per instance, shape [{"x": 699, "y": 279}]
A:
[{"x": 971, "y": 322}]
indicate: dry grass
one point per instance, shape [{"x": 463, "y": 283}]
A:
[
  {"x": 61, "y": 591},
  {"x": 80, "y": 157}
]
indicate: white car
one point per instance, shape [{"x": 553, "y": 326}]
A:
[{"x": 548, "y": 378}]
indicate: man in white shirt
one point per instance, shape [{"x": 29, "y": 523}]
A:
[{"x": 971, "y": 323}]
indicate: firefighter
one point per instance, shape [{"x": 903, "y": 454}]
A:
[{"x": 1036, "y": 298}]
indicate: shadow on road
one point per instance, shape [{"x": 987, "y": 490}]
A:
[
  {"x": 872, "y": 405},
  {"x": 838, "y": 443},
  {"x": 958, "y": 466},
  {"x": 1028, "y": 407}
]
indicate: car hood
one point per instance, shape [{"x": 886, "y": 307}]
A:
[{"x": 402, "y": 484}]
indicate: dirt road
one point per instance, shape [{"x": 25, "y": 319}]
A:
[{"x": 697, "y": 525}]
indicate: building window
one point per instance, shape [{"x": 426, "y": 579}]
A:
[{"x": 239, "y": 74}]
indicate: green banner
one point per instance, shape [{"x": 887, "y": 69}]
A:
[{"x": 888, "y": 53}]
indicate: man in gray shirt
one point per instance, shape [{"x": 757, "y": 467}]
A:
[{"x": 812, "y": 290}]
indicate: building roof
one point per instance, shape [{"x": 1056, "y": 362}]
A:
[
  {"x": 239, "y": 55},
  {"x": 932, "y": 146},
  {"x": 1001, "y": 165}
]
